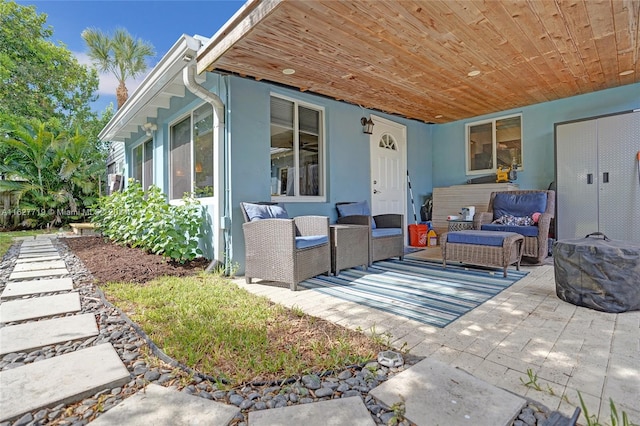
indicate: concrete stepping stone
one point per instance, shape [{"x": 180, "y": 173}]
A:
[
  {"x": 436, "y": 393},
  {"x": 35, "y": 335},
  {"x": 38, "y": 274},
  {"x": 39, "y": 254},
  {"x": 39, "y": 307},
  {"x": 159, "y": 406},
  {"x": 36, "y": 266},
  {"x": 27, "y": 243},
  {"x": 38, "y": 259},
  {"x": 24, "y": 288},
  {"x": 344, "y": 411},
  {"x": 62, "y": 379},
  {"x": 38, "y": 250}
]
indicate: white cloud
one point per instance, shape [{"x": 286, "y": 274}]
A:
[{"x": 108, "y": 82}]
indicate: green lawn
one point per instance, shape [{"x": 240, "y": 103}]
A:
[
  {"x": 6, "y": 238},
  {"x": 212, "y": 325}
]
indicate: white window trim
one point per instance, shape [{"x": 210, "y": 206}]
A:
[
  {"x": 494, "y": 148},
  {"x": 322, "y": 153},
  {"x": 179, "y": 201},
  {"x": 142, "y": 142}
]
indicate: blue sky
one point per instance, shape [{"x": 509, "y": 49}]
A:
[{"x": 159, "y": 22}]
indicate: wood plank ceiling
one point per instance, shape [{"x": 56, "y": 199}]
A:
[{"x": 412, "y": 58}]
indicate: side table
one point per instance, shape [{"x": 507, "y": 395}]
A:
[
  {"x": 349, "y": 246},
  {"x": 459, "y": 225}
]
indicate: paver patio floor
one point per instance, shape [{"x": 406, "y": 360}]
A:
[{"x": 526, "y": 326}]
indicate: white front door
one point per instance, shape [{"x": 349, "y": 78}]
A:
[{"x": 388, "y": 167}]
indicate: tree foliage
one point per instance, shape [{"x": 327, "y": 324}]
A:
[
  {"x": 55, "y": 176},
  {"x": 121, "y": 55},
  {"x": 39, "y": 79},
  {"x": 50, "y": 157}
]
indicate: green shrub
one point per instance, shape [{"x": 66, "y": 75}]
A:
[{"x": 145, "y": 219}]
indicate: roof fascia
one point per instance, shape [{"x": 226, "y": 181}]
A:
[
  {"x": 162, "y": 74},
  {"x": 240, "y": 24}
]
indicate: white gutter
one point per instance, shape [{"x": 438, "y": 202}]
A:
[
  {"x": 221, "y": 208},
  {"x": 189, "y": 78}
]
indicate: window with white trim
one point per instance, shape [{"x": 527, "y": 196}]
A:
[
  {"x": 297, "y": 144},
  {"x": 191, "y": 155},
  {"x": 142, "y": 169},
  {"x": 493, "y": 144}
]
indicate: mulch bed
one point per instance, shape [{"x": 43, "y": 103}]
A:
[{"x": 109, "y": 262}]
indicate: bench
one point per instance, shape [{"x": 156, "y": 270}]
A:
[
  {"x": 483, "y": 248},
  {"x": 81, "y": 228}
]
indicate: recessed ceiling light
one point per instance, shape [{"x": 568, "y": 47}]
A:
[
  {"x": 627, "y": 72},
  {"x": 473, "y": 73},
  {"x": 439, "y": 116},
  {"x": 288, "y": 71}
]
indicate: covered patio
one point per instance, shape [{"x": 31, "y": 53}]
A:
[{"x": 526, "y": 326}]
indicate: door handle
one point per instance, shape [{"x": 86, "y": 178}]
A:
[
  {"x": 605, "y": 177},
  {"x": 589, "y": 178},
  {"x": 375, "y": 191}
]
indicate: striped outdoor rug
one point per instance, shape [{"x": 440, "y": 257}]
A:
[{"x": 417, "y": 289}]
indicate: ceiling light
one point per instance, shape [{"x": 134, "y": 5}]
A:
[
  {"x": 627, "y": 72},
  {"x": 288, "y": 71},
  {"x": 439, "y": 116},
  {"x": 473, "y": 73}
]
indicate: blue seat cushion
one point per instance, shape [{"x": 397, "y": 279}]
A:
[
  {"x": 361, "y": 208},
  {"x": 482, "y": 238},
  {"x": 527, "y": 231},
  {"x": 264, "y": 211},
  {"x": 385, "y": 232},
  {"x": 311, "y": 241},
  {"x": 519, "y": 205}
]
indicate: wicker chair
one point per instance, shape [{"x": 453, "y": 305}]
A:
[
  {"x": 382, "y": 244},
  {"x": 536, "y": 246},
  {"x": 272, "y": 251}
]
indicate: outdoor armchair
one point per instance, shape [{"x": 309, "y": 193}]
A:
[
  {"x": 283, "y": 249},
  {"x": 386, "y": 238},
  {"x": 513, "y": 211}
]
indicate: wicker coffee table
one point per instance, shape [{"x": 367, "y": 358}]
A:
[
  {"x": 349, "y": 246},
  {"x": 479, "y": 248}
]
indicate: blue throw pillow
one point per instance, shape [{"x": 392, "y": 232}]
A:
[
  {"x": 265, "y": 211},
  {"x": 361, "y": 208},
  {"x": 519, "y": 205}
]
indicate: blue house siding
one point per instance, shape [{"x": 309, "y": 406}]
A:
[
  {"x": 435, "y": 153},
  {"x": 179, "y": 108},
  {"x": 538, "y": 138},
  {"x": 347, "y": 154}
]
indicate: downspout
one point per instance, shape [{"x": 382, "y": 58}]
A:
[{"x": 189, "y": 78}]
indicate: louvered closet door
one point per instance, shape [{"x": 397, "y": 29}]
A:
[
  {"x": 618, "y": 146},
  {"x": 576, "y": 179}
]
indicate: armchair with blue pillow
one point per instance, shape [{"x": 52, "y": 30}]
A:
[
  {"x": 283, "y": 249},
  {"x": 526, "y": 212},
  {"x": 386, "y": 238}
]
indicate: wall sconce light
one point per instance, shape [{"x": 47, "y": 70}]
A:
[
  {"x": 367, "y": 125},
  {"x": 149, "y": 128},
  {"x": 198, "y": 167}
]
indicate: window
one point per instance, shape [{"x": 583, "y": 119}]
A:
[
  {"x": 296, "y": 149},
  {"x": 191, "y": 155},
  {"x": 143, "y": 164},
  {"x": 492, "y": 144}
]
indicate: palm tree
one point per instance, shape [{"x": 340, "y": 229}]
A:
[{"x": 122, "y": 55}]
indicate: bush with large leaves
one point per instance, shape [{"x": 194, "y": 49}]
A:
[{"x": 144, "y": 219}]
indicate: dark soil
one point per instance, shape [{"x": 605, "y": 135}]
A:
[{"x": 109, "y": 262}]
